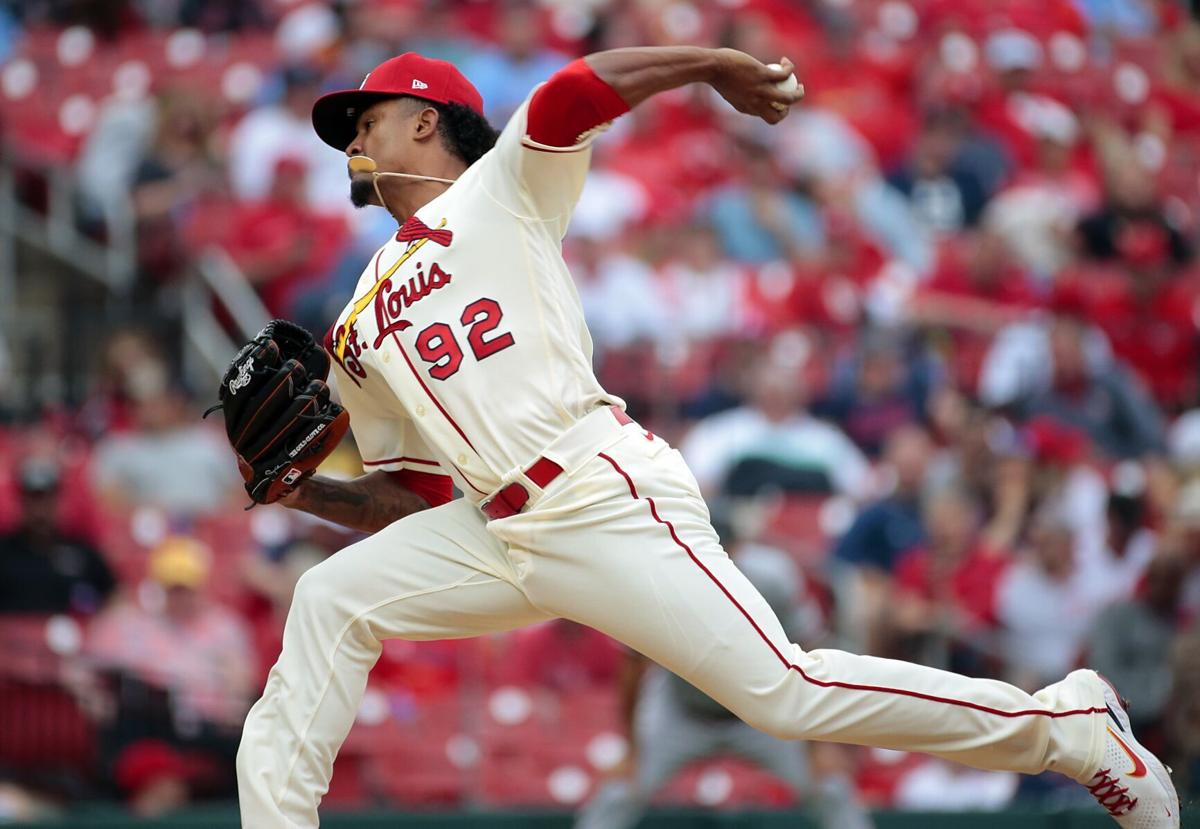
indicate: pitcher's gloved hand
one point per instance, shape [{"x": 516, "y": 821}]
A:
[{"x": 278, "y": 415}]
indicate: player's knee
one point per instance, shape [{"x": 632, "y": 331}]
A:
[
  {"x": 772, "y": 719},
  {"x": 318, "y": 589}
]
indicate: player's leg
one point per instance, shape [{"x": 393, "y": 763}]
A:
[
  {"x": 433, "y": 575},
  {"x": 625, "y": 545},
  {"x": 665, "y": 740}
]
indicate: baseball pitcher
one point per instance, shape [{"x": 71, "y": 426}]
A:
[{"x": 463, "y": 358}]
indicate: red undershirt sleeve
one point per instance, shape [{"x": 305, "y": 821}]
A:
[
  {"x": 569, "y": 105},
  {"x": 435, "y": 489}
]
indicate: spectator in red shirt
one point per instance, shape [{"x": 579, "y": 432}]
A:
[
  {"x": 944, "y": 594},
  {"x": 976, "y": 290},
  {"x": 977, "y": 286},
  {"x": 674, "y": 149},
  {"x": 1149, "y": 315},
  {"x": 873, "y": 99},
  {"x": 1175, "y": 103},
  {"x": 279, "y": 243}
]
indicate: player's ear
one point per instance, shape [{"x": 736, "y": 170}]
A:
[{"x": 425, "y": 124}]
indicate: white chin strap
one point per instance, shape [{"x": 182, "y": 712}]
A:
[{"x": 365, "y": 164}]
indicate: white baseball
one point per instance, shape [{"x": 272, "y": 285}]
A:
[{"x": 788, "y": 84}]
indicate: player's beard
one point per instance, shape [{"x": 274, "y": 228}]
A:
[{"x": 361, "y": 190}]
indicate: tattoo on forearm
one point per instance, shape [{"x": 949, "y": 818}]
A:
[{"x": 369, "y": 503}]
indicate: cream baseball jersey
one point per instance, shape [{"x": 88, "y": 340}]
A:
[
  {"x": 465, "y": 346},
  {"x": 464, "y": 350}
]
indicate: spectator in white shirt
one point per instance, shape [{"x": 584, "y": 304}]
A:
[
  {"x": 146, "y": 465},
  {"x": 701, "y": 289},
  {"x": 284, "y": 129},
  {"x": 618, "y": 294},
  {"x": 1046, "y": 605},
  {"x": 942, "y": 786},
  {"x": 773, "y": 442}
]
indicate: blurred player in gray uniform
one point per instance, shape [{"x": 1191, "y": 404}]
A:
[{"x": 673, "y": 724}]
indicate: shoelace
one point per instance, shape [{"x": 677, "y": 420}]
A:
[{"x": 1109, "y": 794}]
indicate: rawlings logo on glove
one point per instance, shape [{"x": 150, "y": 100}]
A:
[
  {"x": 283, "y": 425},
  {"x": 243, "y": 376}
]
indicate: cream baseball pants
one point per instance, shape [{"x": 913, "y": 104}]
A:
[{"x": 622, "y": 543}]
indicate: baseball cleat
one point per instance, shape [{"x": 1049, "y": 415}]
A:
[{"x": 1132, "y": 784}]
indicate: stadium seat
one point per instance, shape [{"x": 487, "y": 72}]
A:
[
  {"x": 228, "y": 536},
  {"x": 42, "y": 728},
  {"x": 122, "y": 549},
  {"x": 413, "y": 755},
  {"x": 27, "y": 652},
  {"x": 726, "y": 783},
  {"x": 418, "y": 773},
  {"x": 879, "y": 773}
]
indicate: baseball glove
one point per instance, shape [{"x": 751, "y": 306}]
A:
[{"x": 278, "y": 415}]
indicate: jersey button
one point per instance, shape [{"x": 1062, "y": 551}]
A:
[
  {"x": 387, "y": 358},
  {"x": 420, "y": 410},
  {"x": 462, "y": 460}
]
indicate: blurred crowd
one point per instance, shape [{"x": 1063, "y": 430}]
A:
[{"x": 934, "y": 338}]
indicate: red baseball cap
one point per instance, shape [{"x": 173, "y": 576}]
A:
[{"x": 335, "y": 115}]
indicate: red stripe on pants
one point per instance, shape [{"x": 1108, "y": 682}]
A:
[{"x": 823, "y": 683}]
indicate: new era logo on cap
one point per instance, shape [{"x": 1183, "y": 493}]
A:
[{"x": 419, "y": 84}]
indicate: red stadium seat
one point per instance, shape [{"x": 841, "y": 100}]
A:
[
  {"x": 419, "y": 772},
  {"x": 727, "y": 783},
  {"x": 591, "y": 710},
  {"x": 31, "y": 128},
  {"x": 125, "y": 554},
  {"x": 209, "y": 223},
  {"x": 27, "y": 653},
  {"x": 253, "y": 48},
  {"x": 349, "y": 788},
  {"x": 413, "y": 756},
  {"x": 879, "y": 773},
  {"x": 41, "y": 727},
  {"x": 228, "y": 537},
  {"x": 1146, "y": 52}
]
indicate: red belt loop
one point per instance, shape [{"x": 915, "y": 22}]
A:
[{"x": 512, "y": 499}]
